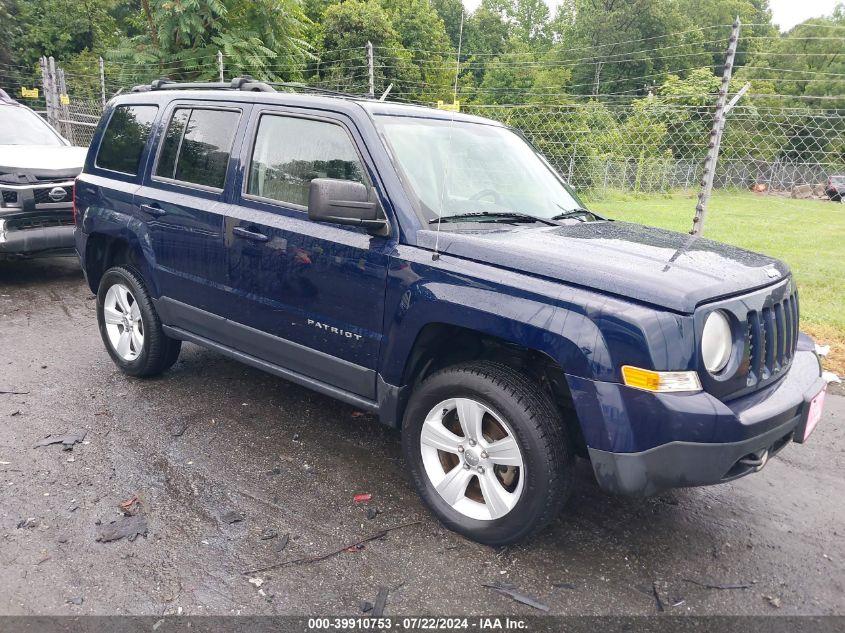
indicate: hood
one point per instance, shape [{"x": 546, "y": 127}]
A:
[
  {"x": 42, "y": 161},
  {"x": 662, "y": 268}
]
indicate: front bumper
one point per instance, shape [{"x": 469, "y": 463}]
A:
[
  {"x": 19, "y": 239},
  {"x": 641, "y": 443}
]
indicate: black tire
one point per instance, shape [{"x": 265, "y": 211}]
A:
[
  {"x": 537, "y": 426},
  {"x": 159, "y": 351}
]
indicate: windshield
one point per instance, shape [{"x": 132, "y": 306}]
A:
[
  {"x": 20, "y": 126},
  {"x": 459, "y": 167}
]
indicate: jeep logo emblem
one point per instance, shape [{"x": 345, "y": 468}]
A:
[{"x": 57, "y": 194}]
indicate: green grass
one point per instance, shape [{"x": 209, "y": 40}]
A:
[{"x": 809, "y": 235}]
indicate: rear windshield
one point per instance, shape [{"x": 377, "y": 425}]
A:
[
  {"x": 837, "y": 180},
  {"x": 21, "y": 126}
]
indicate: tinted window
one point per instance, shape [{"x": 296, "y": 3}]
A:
[
  {"x": 197, "y": 145},
  {"x": 125, "y": 137},
  {"x": 289, "y": 153}
]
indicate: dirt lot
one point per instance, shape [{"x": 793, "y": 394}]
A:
[{"x": 213, "y": 437}]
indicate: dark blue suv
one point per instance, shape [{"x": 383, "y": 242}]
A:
[{"x": 431, "y": 267}]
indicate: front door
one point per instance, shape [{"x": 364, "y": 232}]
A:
[{"x": 310, "y": 295}]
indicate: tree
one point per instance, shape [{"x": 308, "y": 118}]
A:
[
  {"x": 63, "y": 28},
  {"x": 628, "y": 46},
  {"x": 756, "y": 18},
  {"x": 508, "y": 79},
  {"x": 532, "y": 22},
  {"x": 345, "y": 31},
  {"x": 8, "y": 30},
  {"x": 451, "y": 12},
  {"x": 486, "y": 34},
  {"x": 423, "y": 35},
  {"x": 810, "y": 61},
  {"x": 264, "y": 38}
]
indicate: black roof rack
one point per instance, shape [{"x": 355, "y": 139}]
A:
[{"x": 245, "y": 82}]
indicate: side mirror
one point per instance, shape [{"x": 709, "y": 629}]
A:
[{"x": 344, "y": 202}]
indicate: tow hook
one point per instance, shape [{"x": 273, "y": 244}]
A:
[{"x": 756, "y": 460}]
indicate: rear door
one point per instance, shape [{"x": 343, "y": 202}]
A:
[
  {"x": 184, "y": 200},
  {"x": 310, "y": 295},
  {"x": 105, "y": 190}
]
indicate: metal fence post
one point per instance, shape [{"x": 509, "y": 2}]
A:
[
  {"x": 53, "y": 108},
  {"x": 103, "y": 83},
  {"x": 64, "y": 109},
  {"x": 370, "y": 71},
  {"x": 220, "y": 65},
  {"x": 715, "y": 135},
  {"x": 45, "y": 86}
]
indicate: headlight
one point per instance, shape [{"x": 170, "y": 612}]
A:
[{"x": 716, "y": 342}]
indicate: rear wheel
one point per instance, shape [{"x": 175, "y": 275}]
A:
[
  {"x": 488, "y": 452},
  {"x": 130, "y": 326}
]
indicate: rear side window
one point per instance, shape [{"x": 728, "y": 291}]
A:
[
  {"x": 290, "y": 152},
  {"x": 125, "y": 138},
  {"x": 197, "y": 146}
]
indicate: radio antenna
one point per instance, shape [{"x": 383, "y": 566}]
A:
[{"x": 436, "y": 255}]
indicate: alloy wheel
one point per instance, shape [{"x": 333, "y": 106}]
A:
[
  {"x": 472, "y": 459},
  {"x": 124, "y": 325}
]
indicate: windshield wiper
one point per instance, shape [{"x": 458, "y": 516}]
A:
[
  {"x": 572, "y": 213},
  {"x": 494, "y": 216}
]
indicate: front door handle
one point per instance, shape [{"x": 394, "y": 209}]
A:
[
  {"x": 153, "y": 209},
  {"x": 249, "y": 235}
]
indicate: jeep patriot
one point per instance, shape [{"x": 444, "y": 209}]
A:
[{"x": 431, "y": 267}]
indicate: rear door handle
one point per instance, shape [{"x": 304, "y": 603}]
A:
[
  {"x": 250, "y": 235},
  {"x": 153, "y": 209}
]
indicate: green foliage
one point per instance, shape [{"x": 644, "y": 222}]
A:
[
  {"x": 8, "y": 31},
  {"x": 345, "y": 31},
  {"x": 810, "y": 60},
  {"x": 422, "y": 33},
  {"x": 180, "y": 38},
  {"x": 450, "y": 11},
  {"x": 63, "y": 28}
]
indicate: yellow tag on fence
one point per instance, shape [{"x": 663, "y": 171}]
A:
[
  {"x": 29, "y": 93},
  {"x": 64, "y": 99},
  {"x": 451, "y": 107}
]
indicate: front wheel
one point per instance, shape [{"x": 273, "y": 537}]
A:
[
  {"x": 488, "y": 452},
  {"x": 130, "y": 326}
]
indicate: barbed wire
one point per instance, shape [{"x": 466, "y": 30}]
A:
[{"x": 632, "y": 139}]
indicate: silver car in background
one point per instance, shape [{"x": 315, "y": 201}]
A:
[{"x": 37, "y": 169}]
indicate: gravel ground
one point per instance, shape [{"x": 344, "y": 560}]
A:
[{"x": 213, "y": 437}]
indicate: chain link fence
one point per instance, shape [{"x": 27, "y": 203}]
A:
[
  {"x": 82, "y": 118},
  {"x": 652, "y": 147},
  {"x": 648, "y": 145}
]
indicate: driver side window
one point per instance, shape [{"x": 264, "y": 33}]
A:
[{"x": 290, "y": 152}]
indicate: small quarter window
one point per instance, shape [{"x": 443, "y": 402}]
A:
[
  {"x": 290, "y": 152},
  {"x": 197, "y": 146},
  {"x": 125, "y": 137}
]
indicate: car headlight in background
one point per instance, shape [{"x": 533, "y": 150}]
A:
[{"x": 716, "y": 342}]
